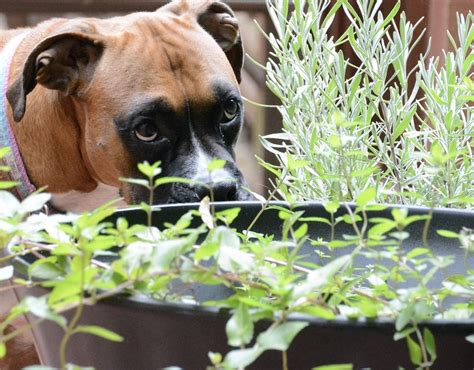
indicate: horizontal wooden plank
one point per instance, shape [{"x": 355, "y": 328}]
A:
[{"x": 99, "y": 6}]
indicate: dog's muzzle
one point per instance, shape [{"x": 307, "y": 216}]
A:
[
  {"x": 226, "y": 189},
  {"x": 219, "y": 192}
]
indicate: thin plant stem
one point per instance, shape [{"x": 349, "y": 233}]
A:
[
  {"x": 424, "y": 355},
  {"x": 284, "y": 360},
  {"x": 426, "y": 227},
  {"x": 20, "y": 330},
  {"x": 265, "y": 205},
  {"x": 150, "y": 201},
  {"x": 69, "y": 331}
]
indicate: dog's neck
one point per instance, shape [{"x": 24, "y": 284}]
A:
[{"x": 48, "y": 136}]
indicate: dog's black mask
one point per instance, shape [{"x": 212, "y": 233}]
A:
[{"x": 185, "y": 142}]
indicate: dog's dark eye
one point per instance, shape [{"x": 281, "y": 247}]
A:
[
  {"x": 146, "y": 132},
  {"x": 231, "y": 108}
]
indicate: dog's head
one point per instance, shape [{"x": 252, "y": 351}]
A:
[{"x": 159, "y": 86}]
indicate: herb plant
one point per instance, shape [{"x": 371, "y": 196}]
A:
[
  {"x": 83, "y": 259},
  {"x": 345, "y": 139},
  {"x": 351, "y": 126}
]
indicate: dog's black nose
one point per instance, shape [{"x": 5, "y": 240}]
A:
[{"x": 221, "y": 191}]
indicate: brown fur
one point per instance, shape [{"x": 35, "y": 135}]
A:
[
  {"x": 21, "y": 351},
  {"x": 74, "y": 131},
  {"x": 66, "y": 136}
]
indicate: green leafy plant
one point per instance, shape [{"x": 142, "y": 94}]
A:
[
  {"x": 84, "y": 259},
  {"x": 411, "y": 142},
  {"x": 345, "y": 139}
]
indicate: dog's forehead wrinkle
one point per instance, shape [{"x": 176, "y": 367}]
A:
[
  {"x": 149, "y": 107},
  {"x": 174, "y": 59}
]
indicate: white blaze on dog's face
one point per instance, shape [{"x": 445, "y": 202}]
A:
[{"x": 159, "y": 86}]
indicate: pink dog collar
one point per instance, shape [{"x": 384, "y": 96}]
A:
[{"x": 7, "y": 138}]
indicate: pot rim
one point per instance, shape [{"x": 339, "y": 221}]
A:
[{"x": 254, "y": 203}]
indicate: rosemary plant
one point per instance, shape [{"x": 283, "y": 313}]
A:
[{"x": 348, "y": 127}]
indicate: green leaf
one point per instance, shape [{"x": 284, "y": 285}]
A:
[
  {"x": 331, "y": 207},
  {"x": 294, "y": 164},
  {"x": 228, "y": 215},
  {"x": 205, "y": 212},
  {"x": 65, "y": 249},
  {"x": 414, "y": 350},
  {"x": 39, "y": 307},
  {"x": 215, "y": 357},
  {"x": 399, "y": 215},
  {"x": 64, "y": 290},
  {"x": 381, "y": 229},
  {"x": 422, "y": 311},
  {"x": 350, "y": 219},
  {"x": 391, "y": 15},
  {"x": 149, "y": 170},
  {"x": 401, "y": 127},
  {"x": 364, "y": 172},
  {"x": 100, "y": 332},
  {"x": 338, "y": 118},
  {"x": 301, "y": 231},
  {"x": 6, "y": 272},
  {"x": 3, "y": 350},
  {"x": 437, "y": 153},
  {"x": 430, "y": 344},
  {"x": 241, "y": 358},
  {"x": 315, "y": 219},
  {"x": 174, "y": 180},
  {"x": 33, "y": 203},
  {"x": 335, "y": 141},
  {"x": 280, "y": 337},
  {"x": 367, "y": 196},
  {"x": 8, "y": 203},
  {"x": 46, "y": 269},
  {"x": 404, "y": 318},
  {"x": 8, "y": 184},
  {"x": 184, "y": 221},
  {"x": 239, "y": 328},
  {"x": 227, "y": 237},
  {"x": 404, "y": 333},
  {"x": 140, "y": 182},
  {"x": 234, "y": 260},
  {"x": 4, "y": 151},
  {"x": 340, "y": 243},
  {"x": 100, "y": 243},
  {"x": 415, "y": 252},
  {"x": 334, "y": 367},
  {"x": 320, "y": 277},
  {"x": 254, "y": 303},
  {"x": 216, "y": 164},
  {"x": 206, "y": 250},
  {"x": 319, "y": 311},
  {"x": 448, "y": 234},
  {"x": 166, "y": 252}
]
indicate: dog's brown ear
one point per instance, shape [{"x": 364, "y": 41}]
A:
[
  {"x": 64, "y": 62},
  {"x": 220, "y": 22}
]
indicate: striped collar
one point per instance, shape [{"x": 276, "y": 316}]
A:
[{"x": 7, "y": 138}]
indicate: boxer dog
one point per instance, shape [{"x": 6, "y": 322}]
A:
[{"x": 89, "y": 99}]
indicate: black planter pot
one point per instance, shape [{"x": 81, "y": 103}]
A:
[{"x": 161, "y": 334}]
